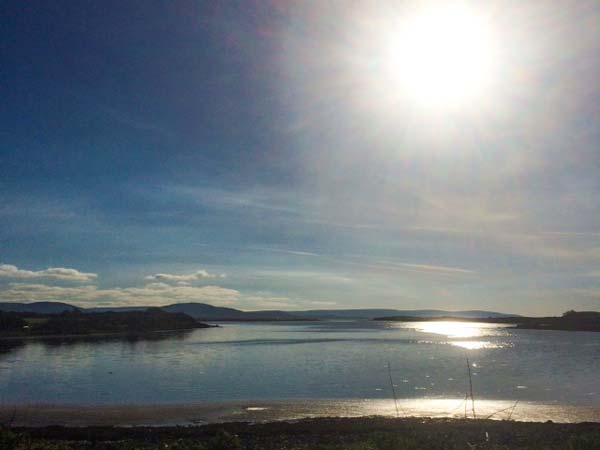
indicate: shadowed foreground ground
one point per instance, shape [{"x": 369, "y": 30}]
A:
[{"x": 322, "y": 434}]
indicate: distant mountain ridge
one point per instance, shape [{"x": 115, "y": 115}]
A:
[
  {"x": 204, "y": 311},
  {"x": 379, "y": 312},
  {"x": 38, "y": 307}
]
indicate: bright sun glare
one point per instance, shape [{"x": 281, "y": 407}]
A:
[{"x": 441, "y": 56}]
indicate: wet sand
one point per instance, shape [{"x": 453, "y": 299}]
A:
[{"x": 285, "y": 410}]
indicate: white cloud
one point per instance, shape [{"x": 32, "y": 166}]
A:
[
  {"x": 182, "y": 280},
  {"x": 153, "y": 294},
  {"x": 54, "y": 273},
  {"x": 161, "y": 289}
]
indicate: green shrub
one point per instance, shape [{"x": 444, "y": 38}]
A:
[
  {"x": 225, "y": 441},
  {"x": 589, "y": 441},
  {"x": 8, "y": 439}
]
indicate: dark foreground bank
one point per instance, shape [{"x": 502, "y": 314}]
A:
[{"x": 330, "y": 433}]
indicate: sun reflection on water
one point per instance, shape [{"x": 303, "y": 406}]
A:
[
  {"x": 455, "y": 329},
  {"x": 476, "y": 345},
  {"x": 462, "y": 331}
]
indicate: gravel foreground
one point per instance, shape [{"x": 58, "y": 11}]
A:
[{"x": 372, "y": 433}]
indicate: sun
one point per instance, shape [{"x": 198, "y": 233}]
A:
[{"x": 440, "y": 56}]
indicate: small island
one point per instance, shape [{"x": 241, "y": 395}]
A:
[
  {"x": 569, "y": 321},
  {"x": 78, "y": 323}
]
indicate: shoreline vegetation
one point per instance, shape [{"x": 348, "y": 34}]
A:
[
  {"x": 569, "y": 321},
  {"x": 366, "y": 433}
]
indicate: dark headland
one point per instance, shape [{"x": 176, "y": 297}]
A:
[{"x": 77, "y": 323}]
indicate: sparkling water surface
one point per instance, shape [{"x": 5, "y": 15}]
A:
[{"x": 309, "y": 360}]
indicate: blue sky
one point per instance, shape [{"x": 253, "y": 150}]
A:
[{"x": 250, "y": 154}]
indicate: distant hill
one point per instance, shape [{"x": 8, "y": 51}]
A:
[
  {"x": 373, "y": 313},
  {"x": 201, "y": 311},
  {"x": 38, "y": 307},
  {"x": 204, "y": 311},
  {"x": 102, "y": 309}
]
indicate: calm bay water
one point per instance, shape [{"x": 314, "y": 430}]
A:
[{"x": 321, "y": 360}]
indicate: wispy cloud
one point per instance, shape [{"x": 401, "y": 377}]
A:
[
  {"x": 283, "y": 250},
  {"x": 308, "y": 275},
  {"x": 263, "y": 199},
  {"x": 281, "y": 203},
  {"x": 432, "y": 268},
  {"x": 131, "y": 120},
  {"x": 424, "y": 269}
]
